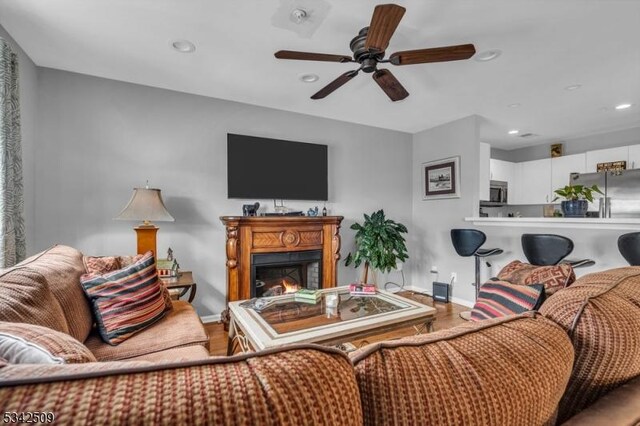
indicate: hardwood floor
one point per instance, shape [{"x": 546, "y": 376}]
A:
[{"x": 446, "y": 317}]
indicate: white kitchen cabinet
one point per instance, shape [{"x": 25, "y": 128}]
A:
[
  {"x": 562, "y": 167},
  {"x": 620, "y": 153},
  {"x": 485, "y": 172},
  {"x": 533, "y": 182},
  {"x": 634, "y": 157},
  {"x": 502, "y": 170}
]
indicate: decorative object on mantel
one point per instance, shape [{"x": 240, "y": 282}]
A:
[
  {"x": 556, "y": 150},
  {"x": 313, "y": 212},
  {"x": 441, "y": 179},
  {"x": 250, "y": 209},
  {"x": 380, "y": 244},
  {"x": 146, "y": 205},
  {"x": 577, "y": 199}
]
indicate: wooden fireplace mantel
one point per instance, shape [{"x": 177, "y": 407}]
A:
[{"x": 271, "y": 234}]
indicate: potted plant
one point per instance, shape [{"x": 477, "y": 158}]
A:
[
  {"x": 577, "y": 199},
  {"x": 380, "y": 244}
]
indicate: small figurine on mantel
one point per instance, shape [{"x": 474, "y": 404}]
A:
[
  {"x": 169, "y": 254},
  {"x": 313, "y": 212}
]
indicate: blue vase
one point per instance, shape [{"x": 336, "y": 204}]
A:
[{"x": 575, "y": 208}]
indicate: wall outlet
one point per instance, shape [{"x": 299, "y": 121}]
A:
[
  {"x": 454, "y": 277},
  {"x": 434, "y": 270}
]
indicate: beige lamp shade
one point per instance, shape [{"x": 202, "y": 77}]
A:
[{"x": 146, "y": 205}]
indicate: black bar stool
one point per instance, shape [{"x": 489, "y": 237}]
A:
[
  {"x": 467, "y": 242},
  {"x": 629, "y": 246},
  {"x": 550, "y": 249}
]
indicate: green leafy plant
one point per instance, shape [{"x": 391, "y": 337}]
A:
[
  {"x": 379, "y": 242},
  {"x": 577, "y": 192}
]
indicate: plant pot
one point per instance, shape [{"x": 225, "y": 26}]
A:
[{"x": 575, "y": 208}]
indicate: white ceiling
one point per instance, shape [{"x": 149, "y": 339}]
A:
[{"x": 546, "y": 45}]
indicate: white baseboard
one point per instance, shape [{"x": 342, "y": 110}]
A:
[
  {"x": 456, "y": 300},
  {"x": 207, "y": 319}
]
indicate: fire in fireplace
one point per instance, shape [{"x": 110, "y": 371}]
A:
[{"x": 273, "y": 274}]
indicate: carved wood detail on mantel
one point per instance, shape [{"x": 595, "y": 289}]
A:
[{"x": 268, "y": 234}]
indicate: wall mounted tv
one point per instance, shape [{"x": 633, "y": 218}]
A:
[{"x": 261, "y": 168}]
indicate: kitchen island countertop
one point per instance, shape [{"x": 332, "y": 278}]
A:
[{"x": 558, "y": 222}]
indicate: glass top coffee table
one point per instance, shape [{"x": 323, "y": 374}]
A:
[{"x": 281, "y": 320}]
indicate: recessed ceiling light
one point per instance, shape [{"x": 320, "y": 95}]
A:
[
  {"x": 183, "y": 46},
  {"x": 487, "y": 55},
  {"x": 514, "y": 132},
  {"x": 573, "y": 87},
  {"x": 623, "y": 106},
  {"x": 309, "y": 78},
  {"x": 516, "y": 105}
]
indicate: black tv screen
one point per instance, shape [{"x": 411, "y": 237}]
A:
[{"x": 259, "y": 168}]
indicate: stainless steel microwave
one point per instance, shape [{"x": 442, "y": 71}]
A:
[{"x": 498, "y": 194}]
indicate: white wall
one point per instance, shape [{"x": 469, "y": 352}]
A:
[
  {"x": 28, "y": 82},
  {"x": 99, "y": 138},
  {"x": 432, "y": 220}
]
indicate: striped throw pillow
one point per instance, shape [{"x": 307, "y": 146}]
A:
[
  {"x": 125, "y": 301},
  {"x": 500, "y": 298}
]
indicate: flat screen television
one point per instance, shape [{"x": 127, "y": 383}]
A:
[{"x": 261, "y": 168}]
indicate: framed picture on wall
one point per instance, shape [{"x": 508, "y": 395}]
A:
[{"x": 441, "y": 179}]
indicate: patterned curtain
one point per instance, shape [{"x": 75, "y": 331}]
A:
[{"x": 12, "y": 239}]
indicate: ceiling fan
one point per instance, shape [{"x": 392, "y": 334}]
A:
[{"x": 368, "y": 49}]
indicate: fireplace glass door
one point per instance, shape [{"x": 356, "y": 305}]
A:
[{"x": 273, "y": 274}]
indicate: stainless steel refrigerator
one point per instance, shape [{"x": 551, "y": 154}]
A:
[{"x": 622, "y": 190}]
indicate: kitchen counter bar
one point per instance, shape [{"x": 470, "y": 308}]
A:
[{"x": 558, "y": 222}]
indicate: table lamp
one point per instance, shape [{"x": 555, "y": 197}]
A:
[{"x": 146, "y": 205}]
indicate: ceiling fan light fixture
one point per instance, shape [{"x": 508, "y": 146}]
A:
[
  {"x": 183, "y": 46},
  {"x": 309, "y": 78},
  {"x": 487, "y": 55},
  {"x": 514, "y": 132}
]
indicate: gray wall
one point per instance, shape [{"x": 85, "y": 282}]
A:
[
  {"x": 100, "y": 138},
  {"x": 28, "y": 81},
  {"x": 433, "y": 219},
  {"x": 572, "y": 146}
]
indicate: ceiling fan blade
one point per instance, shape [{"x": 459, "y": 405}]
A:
[
  {"x": 384, "y": 22},
  {"x": 335, "y": 84},
  {"x": 437, "y": 54},
  {"x": 390, "y": 85},
  {"x": 307, "y": 56}
]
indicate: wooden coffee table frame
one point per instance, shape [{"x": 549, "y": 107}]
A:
[{"x": 248, "y": 330}]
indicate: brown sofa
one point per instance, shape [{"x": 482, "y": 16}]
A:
[
  {"x": 45, "y": 290},
  {"x": 578, "y": 356}
]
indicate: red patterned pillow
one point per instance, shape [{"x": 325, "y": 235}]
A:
[
  {"x": 129, "y": 260},
  {"x": 500, "y": 298},
  {"x": 554, "y": 277},
  {"x": 126, "y": 301},
  {"x": 100, "y": 265}
]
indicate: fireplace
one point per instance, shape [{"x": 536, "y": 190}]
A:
[
  {"x": 273, "y": 274},
  {"x": 249, "y": 236}
]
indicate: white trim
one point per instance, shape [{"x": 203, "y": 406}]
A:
[
  {"x": 208, "y": 319},
  {"x": 557, "y": 222}
]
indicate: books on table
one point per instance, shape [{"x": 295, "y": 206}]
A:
[{"x": 307, "y": 295}]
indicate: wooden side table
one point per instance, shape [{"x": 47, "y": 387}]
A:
[{"x": 184, "y": 283}]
